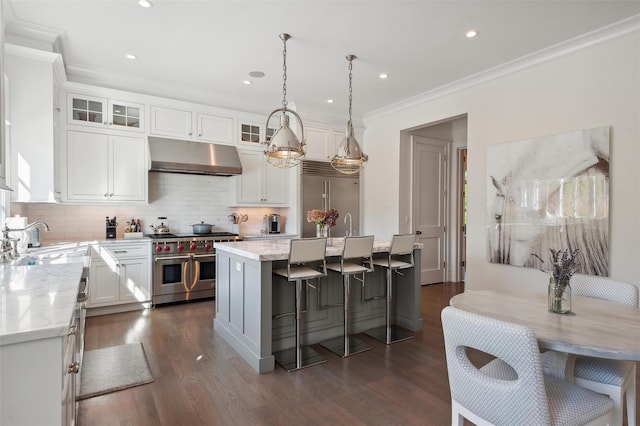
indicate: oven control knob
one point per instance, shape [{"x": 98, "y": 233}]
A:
[
  {"x": 193, "y": 246},
  {"x": 158, "y": 249},
  {"x": 207, "y": 246},
  {"x": 180, "y": 248},
  {"x": 167, "y": 248}
]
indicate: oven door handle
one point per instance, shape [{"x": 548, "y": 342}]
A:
[
  {"x": 185, "y": 269},
  {"x": 157, "y": 259},
  {"x": 202, "y": 256}
]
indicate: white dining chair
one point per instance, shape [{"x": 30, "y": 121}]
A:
[
  {"x": 511, "y": 389},
  {"x": 610, "y": 377}
]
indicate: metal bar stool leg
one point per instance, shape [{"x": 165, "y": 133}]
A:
[
  {"x": 389, "y": 333},
  {"x": 346, "y": 345},
  {"x": 299, "y": 356}
]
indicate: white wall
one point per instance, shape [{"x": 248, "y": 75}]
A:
[{"x": 597, "y": 84}]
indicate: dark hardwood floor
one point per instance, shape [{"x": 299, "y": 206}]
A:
[{"x": 200, "y": 379}]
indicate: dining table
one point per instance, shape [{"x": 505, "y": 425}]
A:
[{"x": 594, "y": 327}]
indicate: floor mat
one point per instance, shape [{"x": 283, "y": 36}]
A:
[{"x": 111, "y": 369}]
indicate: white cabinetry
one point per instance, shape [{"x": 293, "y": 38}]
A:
[
  {"x": 104, "y": 113},
  {"x": 38, "y": 383},
  {"x": 179, "y": 123},
  {"x": 33, "y": 76},
  {"x": 120, "y": 274},
  {"x": 260, "y": 183},
  {"x": 319, "y": 144},
  {"x": 106, "y": 168},
  {"x": 212, "y": 128}
]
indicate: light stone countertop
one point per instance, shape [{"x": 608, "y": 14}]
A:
[
  {"x": 278, "y": 249},
  {"x": 37, "y": 301}
]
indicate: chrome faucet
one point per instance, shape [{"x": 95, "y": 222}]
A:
[
  {"x": 8, "y": 249},
  {"x": 350, "y": 231}
]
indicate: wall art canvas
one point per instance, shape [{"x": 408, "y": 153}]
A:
[{"x": 550, "y": 192}]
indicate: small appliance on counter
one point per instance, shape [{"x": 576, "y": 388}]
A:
[
  {"x": 274, "y": 223},
  {"x": 111, "y": 228}
]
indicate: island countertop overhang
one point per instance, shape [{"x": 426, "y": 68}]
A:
[{"x": 278, "y": 249}]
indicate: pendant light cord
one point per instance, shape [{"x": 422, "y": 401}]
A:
[
  {"x": 350, "y": 82},
  {"x": 284, "y": 38}
]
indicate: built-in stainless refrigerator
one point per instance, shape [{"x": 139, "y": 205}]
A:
[{"x": 325, "y": 188}]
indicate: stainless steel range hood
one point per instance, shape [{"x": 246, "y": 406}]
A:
[{"x": 181, "y": 156}]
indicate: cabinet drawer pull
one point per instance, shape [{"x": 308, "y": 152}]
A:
[{"x": 120, "y": 251}]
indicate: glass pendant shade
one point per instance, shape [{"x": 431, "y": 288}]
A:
[
  {"x": 349, "y": 158},
  {"x": 284, "y": 149}
]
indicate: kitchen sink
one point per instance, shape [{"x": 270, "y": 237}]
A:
[{"x": 64, "y": 253}]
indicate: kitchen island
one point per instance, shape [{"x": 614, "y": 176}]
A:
[{"x": 248, "y": 295}]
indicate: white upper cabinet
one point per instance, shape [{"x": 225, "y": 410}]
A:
[
  {"x": 106, "y": 168},
  {"x": 317, "y": 144},
  {"x": 179, "y": 123},
  {"x": 260, "y": 183},
  {"x": 33, "y": 131},
  {"x": 212, "y": 128},
  {"x": 171, "y": 122},
  {"x": 104, "y": 113}
]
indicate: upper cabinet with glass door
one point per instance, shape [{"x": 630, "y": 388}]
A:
[
  {"x": 251, "y": 134},
  {"x": 104, "y": 113}
]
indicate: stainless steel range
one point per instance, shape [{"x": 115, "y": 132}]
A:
[{"x": 184, "y": 266}]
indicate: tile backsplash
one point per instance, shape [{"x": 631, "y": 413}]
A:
[{"x": 183, "y": 199}]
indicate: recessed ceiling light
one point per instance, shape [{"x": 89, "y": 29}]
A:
[
  {"x": 383, "y": 75},
  {"x": 145, "y": 3},
  {"x": 130, "y": 56},
  {"x": 471, "y": 34},
  {"x": 246, "y": 82},
  {"x": 329, "y": 101},
  {"x": 256, "y": 74}
]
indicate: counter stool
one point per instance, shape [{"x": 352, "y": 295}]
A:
[
  {"x": 356, "y": 259},
  {"x": 401, "y": 245},
  {"x": 301, "y": 252}
]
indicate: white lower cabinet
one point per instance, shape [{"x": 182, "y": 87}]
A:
[
  {"x": 120, "y": 274},
  {"x": 260, "y": 183},
  {"x": 106, "y": 168},
  {"x": 38, "y": 385}
]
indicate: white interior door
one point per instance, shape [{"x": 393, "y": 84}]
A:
[{"x": 429, "y": 167}]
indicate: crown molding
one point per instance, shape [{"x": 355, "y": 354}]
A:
[{"x": 600, "y": 35}]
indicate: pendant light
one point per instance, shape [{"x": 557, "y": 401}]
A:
[
  {"x": 284, "y": 149},
  {"x": 349, "y": 158}
]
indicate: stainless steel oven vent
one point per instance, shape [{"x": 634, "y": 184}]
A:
[{"x": 182, "y": 156}]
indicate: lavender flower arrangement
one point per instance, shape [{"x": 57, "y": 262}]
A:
[{"x": 564, "y": 264}]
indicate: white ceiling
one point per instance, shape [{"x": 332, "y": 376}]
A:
[{"x": 201, "y": 51}]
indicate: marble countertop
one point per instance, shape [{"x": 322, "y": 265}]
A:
[
  {"x": 38, "y": 301},
  {"x": 278, "y": 249}
]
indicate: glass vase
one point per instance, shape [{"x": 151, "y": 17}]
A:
[
  {"x": 321, "y": 231},
  {"x": 559, "y": 295}
]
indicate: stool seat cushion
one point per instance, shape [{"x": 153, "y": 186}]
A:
[
  {"x": 349, "y": 268},
  {"x": 299, "y": 273},
  {"x": 395, "y": 264}
]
